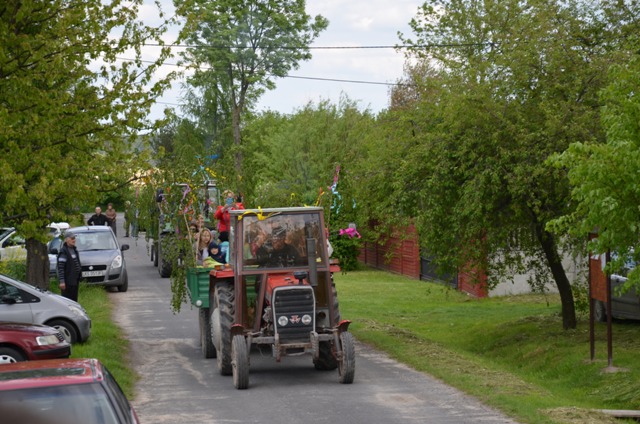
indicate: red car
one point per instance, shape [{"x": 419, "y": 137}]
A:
[
  {"x": 27, "y": 342},
  {"x": 69, "y": 391}
]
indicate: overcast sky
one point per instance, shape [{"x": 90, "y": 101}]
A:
[{"x": 351, "y": 23}]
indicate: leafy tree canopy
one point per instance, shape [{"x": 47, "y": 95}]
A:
[{"x": 69, "y": 107}]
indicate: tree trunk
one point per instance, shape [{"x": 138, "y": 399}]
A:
[
  {"x": 548, "y": 244},
  {"x": 37, "y": 264}
]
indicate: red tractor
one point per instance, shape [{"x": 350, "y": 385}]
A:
[{"x": 277, "y": 291}]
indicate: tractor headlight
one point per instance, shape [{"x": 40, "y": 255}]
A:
[
  {"x": 306, "y": 319},
  {"x": 283, "y": 321}
]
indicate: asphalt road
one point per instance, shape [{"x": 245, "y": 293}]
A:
[{"x": 178, "y": 385}]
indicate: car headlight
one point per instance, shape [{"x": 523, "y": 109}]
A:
[
  {"x": 47, "y": 340},
  {"x": 79, "y": 312},
  {"x": 117, "y": 262}
]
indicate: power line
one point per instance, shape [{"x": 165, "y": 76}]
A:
[
  {"x": 389, "y": 84},
  {"x": 400, "y": 46}
]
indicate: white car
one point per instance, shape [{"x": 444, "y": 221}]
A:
[{"x": 12, "y": 245}]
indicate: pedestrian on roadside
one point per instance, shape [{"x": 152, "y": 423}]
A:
[
  {"x": 69, "y": 267},
  {"x": 97, "y": 218},
  {"x": 128, "y": 215},
  {"x": 111, "y": 218}
]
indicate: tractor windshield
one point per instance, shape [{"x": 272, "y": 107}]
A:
[{"x": 282, "y": 240}]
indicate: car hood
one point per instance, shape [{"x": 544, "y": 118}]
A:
[{"x": 98, "y": 257}]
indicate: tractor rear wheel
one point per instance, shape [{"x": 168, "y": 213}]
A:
[
  {"x": 347, "y": 366},
  {"x": 240, "y": 362},
  {"x": 223, "y": 313},
  {"x": 326, "y": 360},
  {"x": 204, "y": 319}
]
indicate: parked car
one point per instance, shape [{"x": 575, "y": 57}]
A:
[
  {"x": 626, "y": 305},
  {"x": 100, "y": 256},
  {"x": 56, "y": 230},
  {"x": 63, "y": 391},
  {"x": 22, "y": 302},
  {"x": 12, "y": 245},
  {"x": 28, "y": 342}
]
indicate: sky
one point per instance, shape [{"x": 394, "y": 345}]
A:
[{"x": 351, "y": 23}]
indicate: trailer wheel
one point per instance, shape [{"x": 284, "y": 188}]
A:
[
  {"x": 223, "y": 313},
  {"x": 347, "y": 366},
  {"x": 240, "y": 362},
  {"x": 206, "y": 340},
  {"x": 326, "y": 360}
]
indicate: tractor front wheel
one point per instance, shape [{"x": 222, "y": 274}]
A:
[
  {"x": 347, "y": 365},
  {"x": 222, "y": 320},
  {"x": 240, "y": 362}
]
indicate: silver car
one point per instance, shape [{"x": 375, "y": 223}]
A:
[
  {"x": 100, "y": 256},
  {"x": 22, "y": 302}
]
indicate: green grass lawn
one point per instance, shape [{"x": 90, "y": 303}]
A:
[{"x": 510, "y": 352}]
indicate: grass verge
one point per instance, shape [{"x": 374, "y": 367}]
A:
[
  {"x": 509, "y": 352},
  {"x": 107, "y": 342}
]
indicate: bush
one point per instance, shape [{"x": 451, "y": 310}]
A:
[{"x": 14, "y": 268}]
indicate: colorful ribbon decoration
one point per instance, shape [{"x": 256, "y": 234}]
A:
[
  {"x": 261, "y": 216},
  {"x": 351, "y": 232}
]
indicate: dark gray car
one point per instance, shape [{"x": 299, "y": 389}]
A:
[
  {"x": 100, "y": 256},
  {"x": 626, "y": 305}
]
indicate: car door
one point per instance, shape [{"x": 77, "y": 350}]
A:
[
  {"x": 15, "y": 304},
  {"x": 625, "y": 305}
]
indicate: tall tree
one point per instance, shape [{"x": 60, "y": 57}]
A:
[
  {"x": 69, "y": 109},
  {"x": 515, "y": 82},
  {"x": 243, "y": 46},
  {"x": 604, "y": 176}
]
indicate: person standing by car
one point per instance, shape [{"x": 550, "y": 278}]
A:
[
  {"x": 97, "y": 218},
  {"x": 111, "y": 218},
  {"x": 69, "y": 268}
]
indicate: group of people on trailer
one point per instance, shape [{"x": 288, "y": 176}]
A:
[{"x": 211, "y": 251}]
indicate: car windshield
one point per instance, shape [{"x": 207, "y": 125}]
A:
[
  {"x": 5, "y": 232},
  {"x": 79, "y": 403},
  {"x": 99, "y": 240}
]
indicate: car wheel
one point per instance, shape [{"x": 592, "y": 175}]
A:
[
  {"x": 125, "y": 283},
  {"x": 9, "y": 355},
  {"x": 600, "y": 311},
  {"x": 67, "y": 329}
]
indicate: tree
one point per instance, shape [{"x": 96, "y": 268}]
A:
[
  {"x": 510, "y": 83},
  {"x": 242, "y": 46},
  {"x": 69, "y": 109},
  {"x": 603, "y": 176}
]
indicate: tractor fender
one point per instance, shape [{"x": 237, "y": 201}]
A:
[{"x": 343, "y": 326}]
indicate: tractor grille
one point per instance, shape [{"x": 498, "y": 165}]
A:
[{"x": 294, "y": 303}]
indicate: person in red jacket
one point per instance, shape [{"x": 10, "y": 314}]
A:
[{"x": 222, "y": 213}]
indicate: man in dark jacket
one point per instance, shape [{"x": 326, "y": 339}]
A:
[
  {"x": 69, "y": 269},
  {"x": 98, "y": 218}
]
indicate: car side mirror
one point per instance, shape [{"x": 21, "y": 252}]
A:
[
  {"x": 53, "y": 251},
  {"x": 124, "y": 247},
  {"x": 8, "y": 299}
]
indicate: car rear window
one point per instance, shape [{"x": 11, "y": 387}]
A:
[{"x": 79, "y": 403}]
